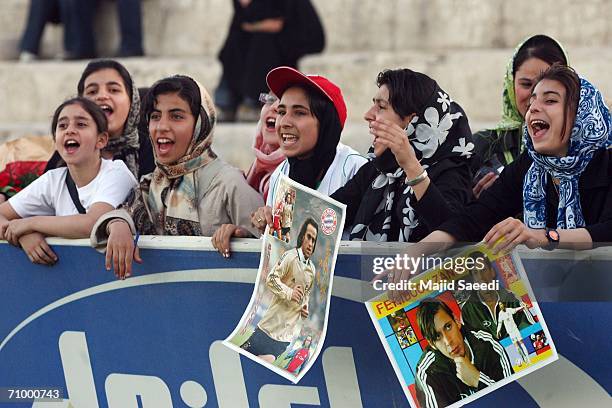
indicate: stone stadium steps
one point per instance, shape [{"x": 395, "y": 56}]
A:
[
  {"x": 30, "y": 91},
  {"x": 187, "y": 28}
]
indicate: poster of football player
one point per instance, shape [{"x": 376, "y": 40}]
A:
[
  {"x": 473, "y": 329},
  {"x": 284, "y": 325}
]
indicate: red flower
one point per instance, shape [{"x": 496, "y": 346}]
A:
[
  {"x": 18, "y": 175},
  {"x": 5, "y": 179}
]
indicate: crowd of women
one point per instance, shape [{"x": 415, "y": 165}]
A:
[{"x": 125, "y": 166}]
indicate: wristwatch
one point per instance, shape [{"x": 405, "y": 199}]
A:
[{"x": 552, "y": 235}]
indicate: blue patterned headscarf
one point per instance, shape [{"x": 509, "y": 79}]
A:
[{"x": 592, "y": 131}]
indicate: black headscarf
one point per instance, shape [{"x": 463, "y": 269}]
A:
[{"x": 311, "y": 170}]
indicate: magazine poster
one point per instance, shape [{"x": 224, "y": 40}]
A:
[
  {"x": 284, "y": 325},
  {"x": 464, "y": 328}
]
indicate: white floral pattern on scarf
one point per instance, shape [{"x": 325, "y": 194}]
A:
[
  {"x": 429, "y": 136},
  {"x": 444, "y": 100},
  {"x": 463, "y": 148}
]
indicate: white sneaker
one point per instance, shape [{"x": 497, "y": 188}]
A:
[{"x": 27, "y": 56}]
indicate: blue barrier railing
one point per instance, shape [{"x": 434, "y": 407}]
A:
[{"x": 153, "y": 339}]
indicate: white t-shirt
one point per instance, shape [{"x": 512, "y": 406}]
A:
[
  {"x": 343, "y": 168},
  {"x": 48, "y": 194}
]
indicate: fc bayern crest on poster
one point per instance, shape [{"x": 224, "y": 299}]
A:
[{"x": 329, "y": 220}]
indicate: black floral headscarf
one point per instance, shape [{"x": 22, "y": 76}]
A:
[{"x": 438, "y": 132}]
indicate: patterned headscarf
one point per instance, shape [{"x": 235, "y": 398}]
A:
[
  {"x": 126, "y": 146},
  {"x": 511, "y": 118},
  {"x": 267, "y": 158},
  {"x": 592, "y": 130},
  {"x": 439, "y": 132},
  {"x": 166, "y": 202}
]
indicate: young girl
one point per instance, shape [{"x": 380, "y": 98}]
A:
[
  {"x": 311, "y": 116},
  {"x": 268, "y": 154},
  {"x": 501, "y": 145},
  {"x": 191, "y": 191},
  {"x": 110, "y": 86},
  {"x": 47, "y": 207}
]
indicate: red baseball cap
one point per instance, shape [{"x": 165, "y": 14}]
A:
[{"x": 281, "y": 78}]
